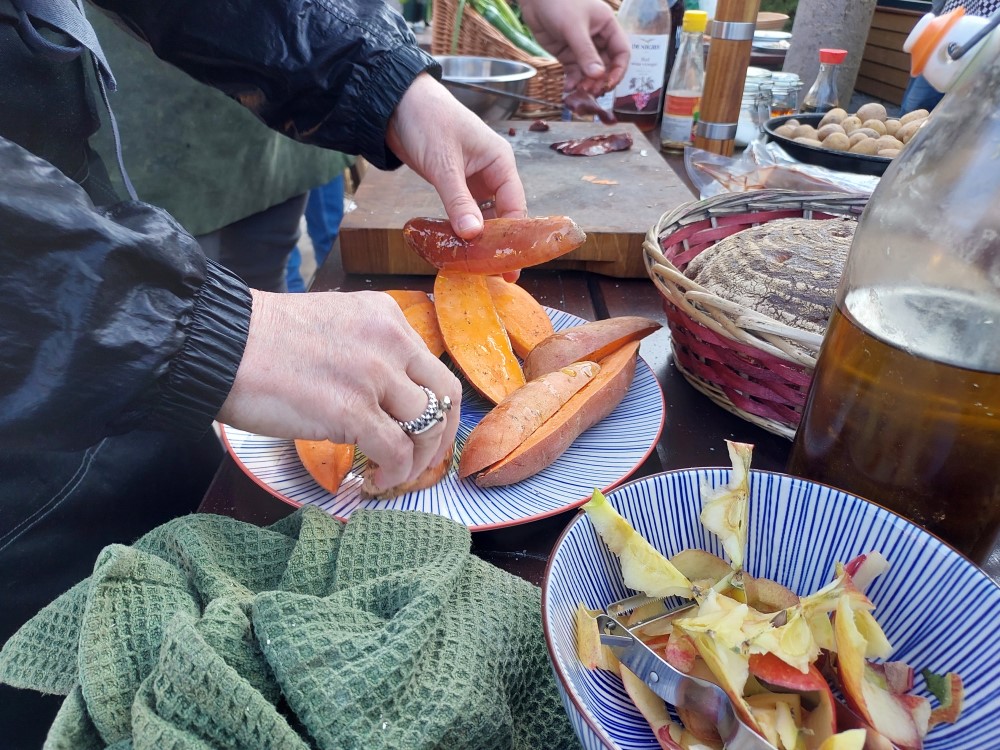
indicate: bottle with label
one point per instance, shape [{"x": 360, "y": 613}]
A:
[
  {"x": 680, "y": 111},
  {"x": 822, "y": 95},
  {"x": 904, "y": 406},
  {"x": 639, "y": 97}
]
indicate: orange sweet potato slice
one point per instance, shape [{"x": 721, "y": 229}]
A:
[
  {"x": 328, "y": 463},
  {"x": 588, "y": 407},
  {"x": 422, "y": 317},
  {"x": 407, "y": 297},
  {"x": 427, "y": 478},
  {"x": 474, "y": 336},
  {"x": 526, "y": 321},
  {"x": 515, "y": 418},
  {"x": 505, "y": 245},
  {"x": 587, "y": 341}
]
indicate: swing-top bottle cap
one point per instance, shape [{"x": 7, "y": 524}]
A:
[{"x": 834, "y": 56}]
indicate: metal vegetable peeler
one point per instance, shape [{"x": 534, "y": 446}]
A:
[{"x": 676, "y": 688}]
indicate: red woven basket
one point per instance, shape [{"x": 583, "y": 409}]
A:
[{"x": 748, "y": 363}]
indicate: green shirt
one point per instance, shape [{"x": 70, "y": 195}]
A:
[{"x": 191, "y": 149}]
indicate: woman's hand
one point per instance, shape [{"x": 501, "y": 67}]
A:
[
  {"x": 456, "y": 152},
  {"x": 342, "y": 367}
]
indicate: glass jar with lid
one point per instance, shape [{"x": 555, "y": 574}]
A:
[{"x": 785, "y": 88}]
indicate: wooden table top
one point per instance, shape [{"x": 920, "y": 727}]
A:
[{"x": 693, "y": 432}]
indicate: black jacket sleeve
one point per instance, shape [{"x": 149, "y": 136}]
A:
[
  {"x": 110, "y": 318},
  {"x": 325, "y": 72}
]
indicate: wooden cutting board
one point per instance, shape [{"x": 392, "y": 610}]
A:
[{"x": 616, "y": 198}]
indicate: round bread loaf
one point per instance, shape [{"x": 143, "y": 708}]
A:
[{"x": 786, "y": 269}]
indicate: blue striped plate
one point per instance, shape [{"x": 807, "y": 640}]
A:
[
  {"x": 604, "y": 455},
  {"x": 939, "y": 610}
]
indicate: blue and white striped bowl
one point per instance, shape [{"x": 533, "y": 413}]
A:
[{"x": 939, "y": 610}]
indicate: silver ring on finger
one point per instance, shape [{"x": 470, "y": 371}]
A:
[{"x": 433, "y": 415}]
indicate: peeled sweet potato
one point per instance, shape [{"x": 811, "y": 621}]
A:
[
  {"x": 588, "y": 407},
  {"x": 474, "y": 336},
  {"x": 427, "y": 478},
  {"x": 587, "y": 341},
  {"x": 525, "y": 320},
  {"x": 407, "y": 297},
  {"x": 505, "y": 245},
  {"x": 422, "y": 317},
  {"x": 328, "y": 463},
  {"x": 516, "y": 417}
]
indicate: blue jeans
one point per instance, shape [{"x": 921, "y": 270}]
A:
[
  {"x": 324, "y": 211},
  {"x": 919, "y": 94}
]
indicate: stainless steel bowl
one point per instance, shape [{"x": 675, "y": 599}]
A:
[{"x": 504, "y": 75}]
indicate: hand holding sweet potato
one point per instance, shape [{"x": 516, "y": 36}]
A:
[{"x": 506, "y": 245}]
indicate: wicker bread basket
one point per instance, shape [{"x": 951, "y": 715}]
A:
[
  {"x": 748, "y": 363},
  {"x": 476, "y": 36}
]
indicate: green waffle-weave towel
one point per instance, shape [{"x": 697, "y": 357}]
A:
[{"x": 384, "y": 632}]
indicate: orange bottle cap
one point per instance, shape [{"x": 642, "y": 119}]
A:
[
  {"x": 930, "y": 37},
  {"x": 835, "y": 56}
]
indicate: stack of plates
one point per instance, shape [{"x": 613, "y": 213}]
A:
[{"x": 771, "y": 41}]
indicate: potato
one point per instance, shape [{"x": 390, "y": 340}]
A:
[
  {"x": 871, "y": 111},
  {"x": 891, "y": 126},
  {"x": 826, "y": 130},
  {"x": 867, "y": 133},
  {"x": 917, "y": 114},
  {"x": 505, "y": 245},
  {"x": 786, "y": 130},
  {"x": 588, "y": 407},
  {"x": 805, "y": 131},
  {"x": 428, "y": 478},
  {"x": 468, "y": 317},
  {"x": 793, "y": 122},
  {"x": 524, "y": 319},
  {"x": 864, "y": 146},
  {"x": 850, "y": 124},
  {"x": 834, "y": 116},
  {"x": 515, "y": 418},
  {"x": 837, "y": 142},
  {"x": 586, "y": 342},
  {"x": 887, "y": 141},
  {"x": 328, "y": 463},
  {"x": 909, "y": 129},
  {"x": 891, "y": 153},
  {"x": 857, "y": 136},
  {"x": 406, "y": 297},
  {"x": 422, "y": 318},
  {"x": 877, "y": 125},
  {"x": 809, "y": 141}
]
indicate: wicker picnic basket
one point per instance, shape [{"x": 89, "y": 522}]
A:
[
  {"x": 748, "y": 363},
  {"x": 476, "y": 36}
]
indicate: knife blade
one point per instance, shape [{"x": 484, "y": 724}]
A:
[{"x": 500, "y": 92}]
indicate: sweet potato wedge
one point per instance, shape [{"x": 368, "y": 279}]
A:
[
  {"x": 515, "y": 418},
  {"x": 328, "y": 463},
  {"x": 474, "y": 336},
  {"x": 505, "y": 244},
  {"x": 407, "y": 297},
  {"x": 525, "y": 320},
  {"x": 587, "y": 341},
  {"x": 427, "y": 478},
  {"x": 588, "y": 407},
  {"x": 422, "y": 317}
]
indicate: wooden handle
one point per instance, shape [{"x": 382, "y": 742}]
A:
[{"x": 726, "y": 74}]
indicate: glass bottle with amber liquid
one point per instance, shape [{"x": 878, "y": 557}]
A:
[
  {"x": 639, "y": 96},
  {"x": 904, "y": 406},
  {"x": 822, "y": 95}
]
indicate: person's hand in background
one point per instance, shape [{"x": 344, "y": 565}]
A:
[
  {"x": 342, "y": 367},
  {"x": 585, "y": 37}
]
